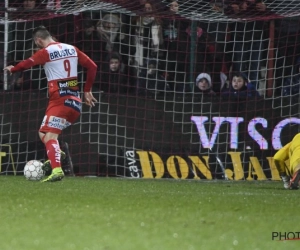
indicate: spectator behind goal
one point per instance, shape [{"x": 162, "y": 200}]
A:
[
  {"x": 291, "y": 84},
  {"x": 240, "y": 86},
  {"x": 113, "y": 79},
  {"x": 204, "y": 84},
  {"x": 247, "y": 36}
]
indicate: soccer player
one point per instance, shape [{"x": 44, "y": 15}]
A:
[
  {"x": 291, "y": 152},
  {"x": 60, "y": 63}
]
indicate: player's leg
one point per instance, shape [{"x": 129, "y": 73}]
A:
[
  {"x": 56, "y": 119},
  {"x": 54, "y": 156},
  {"x": 295, "y": 170},
  {"x": 50, "y": 129},
  {"x": 284, "y": 171},
  {"x": 295, "y": 163},
  {"x": 47, "y": 164},
  {"x": 294, "y": 183},
  {"x": 283, "y": 174}
]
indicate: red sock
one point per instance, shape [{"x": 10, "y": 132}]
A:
[{"x": 53, "y": 152}]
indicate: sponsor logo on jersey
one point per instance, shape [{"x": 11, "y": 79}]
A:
[
  {"x": 57, "y": 122},
  {"x": 67, "y": 84},
  {"x": 65, "y": 92},
  {"x": 73, "y": 104},
  {"x": 62, "y": 53}
]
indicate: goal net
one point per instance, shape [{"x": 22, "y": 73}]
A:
[{"x": 186, "y": 89}]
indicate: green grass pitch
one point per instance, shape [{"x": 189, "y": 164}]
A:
[{"x": 111, "y": 213}]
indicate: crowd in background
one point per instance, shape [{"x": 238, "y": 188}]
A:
[{"x": 149, "y": 53}]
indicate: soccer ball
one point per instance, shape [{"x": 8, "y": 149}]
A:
[{"x": 33, "y": 170}]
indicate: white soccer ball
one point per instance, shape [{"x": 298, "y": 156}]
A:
[{"x": 33, "y": 170}]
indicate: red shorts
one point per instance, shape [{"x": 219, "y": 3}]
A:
[{"x": 59, "y": 117}]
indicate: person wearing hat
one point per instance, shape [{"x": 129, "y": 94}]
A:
[{"x": 204, "y": 84}]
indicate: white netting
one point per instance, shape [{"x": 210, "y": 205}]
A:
[
  {"x": 190, "y": 9},
  {"x": 152, "y": 103}
]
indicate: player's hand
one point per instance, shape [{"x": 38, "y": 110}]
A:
[
  {"x": 89, "y": 99},
  {"x": 8, "y": 68}
]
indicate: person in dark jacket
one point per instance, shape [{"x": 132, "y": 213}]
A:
[
  {"x": 87, "y": 41},
  {"x": 113, "y": 79},
  {"x": 240, "y": 86},
  {"x": 247, "y": 36},
  {"x": 291, "y": 84}
]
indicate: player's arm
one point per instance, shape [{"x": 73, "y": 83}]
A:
[
  {"x": 280, "y": 157},
  {"x": 91, "y": 67},
  {"x": 39, "y": 58}
]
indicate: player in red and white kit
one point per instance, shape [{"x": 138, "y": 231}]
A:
[{"x": 60, "y": 63}]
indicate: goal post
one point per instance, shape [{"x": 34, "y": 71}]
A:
[{"x": 166, "y": 107}]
